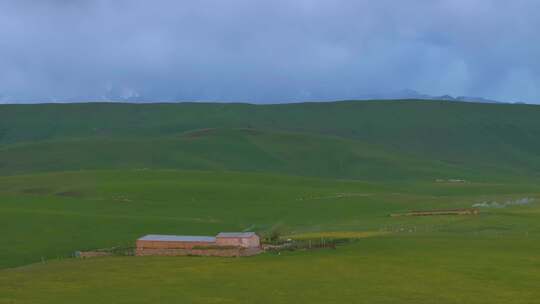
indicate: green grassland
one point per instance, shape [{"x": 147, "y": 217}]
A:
[
  {"x": 86, "y": 176},
  {"x": 491, "y": 258},
  {"x": 377, "y": 270}
]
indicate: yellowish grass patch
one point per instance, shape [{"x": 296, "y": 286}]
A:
[{"x": 337, "y": 234}]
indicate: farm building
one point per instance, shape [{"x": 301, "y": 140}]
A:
[
  {"x": 224, "y": 244},
  {"x": 156, "y": 241},
  {"x": 240, "y": 239}
]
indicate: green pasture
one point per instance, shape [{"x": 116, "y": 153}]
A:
[
  {"x": 52, "y": 215},
  {"x": 392, "y": 269},
  {"x": 491, "y": 258}
]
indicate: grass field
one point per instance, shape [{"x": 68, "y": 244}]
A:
[
  {"x": 404, "y": 269},
  {"x": 201, "y": 169},
  {"x": 416, "y": 260}
]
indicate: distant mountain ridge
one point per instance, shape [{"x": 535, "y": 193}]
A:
[
  {"x": 412, "y": 94},
  {"x": 130, "y": 95}
]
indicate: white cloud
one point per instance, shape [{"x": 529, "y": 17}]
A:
[{"x": 269, "y": 50}]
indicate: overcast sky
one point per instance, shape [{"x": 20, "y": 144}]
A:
[{"x": 267, "y": 51}]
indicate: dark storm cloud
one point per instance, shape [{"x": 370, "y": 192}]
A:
[{"x": 262, "y": 51}]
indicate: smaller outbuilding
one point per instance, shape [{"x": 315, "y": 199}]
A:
[{"x": 240, "y": 239}]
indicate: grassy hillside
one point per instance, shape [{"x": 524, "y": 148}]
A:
[
  {"x": 239, "y": 150},
  {"x": 360, "y": 140}
]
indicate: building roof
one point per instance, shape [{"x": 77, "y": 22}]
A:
[
  {"x": 177, "y": 238},
  {"x": 235, "y": 234}
]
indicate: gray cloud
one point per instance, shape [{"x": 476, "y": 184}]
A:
[{"x": 262, "y": 51}]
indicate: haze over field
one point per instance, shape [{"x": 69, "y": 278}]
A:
[{"x": 267, "y": 51}]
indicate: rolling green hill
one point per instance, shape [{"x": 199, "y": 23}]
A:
[
  {"x": 357, "y": 140},
  {"x": 236, "y": 150}
]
